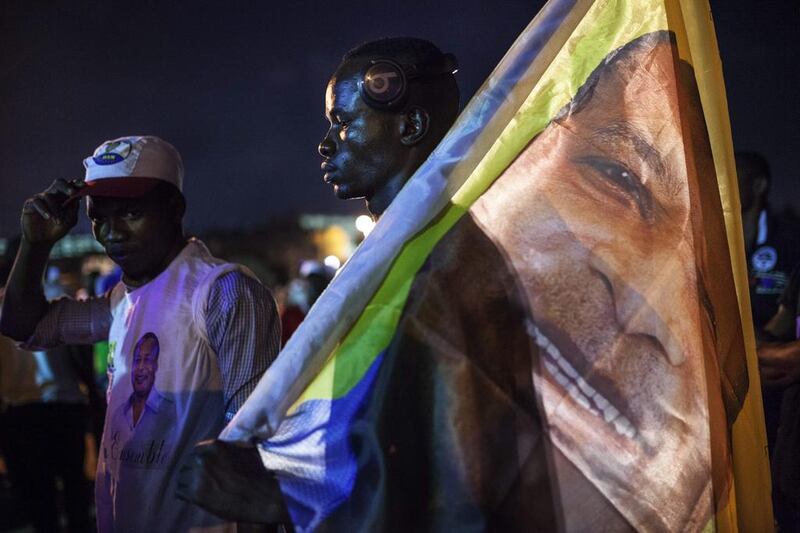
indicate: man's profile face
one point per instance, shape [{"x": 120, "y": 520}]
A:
[
  {"x": 145, "y": 365},
  {"x": 361, "y": 150},
  {"x": 597, "y": 226},
  {"x": 135, "y": 232}
]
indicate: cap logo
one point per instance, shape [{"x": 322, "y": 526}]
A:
[{"x": 113, "y": 152}]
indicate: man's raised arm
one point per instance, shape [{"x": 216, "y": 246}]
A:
[{"x": 46, "y": 218}]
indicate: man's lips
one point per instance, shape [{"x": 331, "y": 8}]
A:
[
  {"x": 329, "y": 169},
  {"x": 609, "y": 409},
  {"x": 118, "y": 252}
]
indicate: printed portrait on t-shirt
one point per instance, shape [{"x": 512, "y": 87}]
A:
[{"x": 142, "y": 425}]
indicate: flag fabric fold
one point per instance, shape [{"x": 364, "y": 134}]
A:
[{"x": 548, "y": 329}]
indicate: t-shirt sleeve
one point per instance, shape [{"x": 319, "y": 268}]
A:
[
  {"x": 69, "y": 321},
  {"x": 244, "y": 330}
]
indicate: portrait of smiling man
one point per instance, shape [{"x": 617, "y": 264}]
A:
[
  {"x": 607, "y": 220},
  {"x": 189, "y": 334},
  {"x": 143, "y": 377},
  {"x": 143, "y": 427}
]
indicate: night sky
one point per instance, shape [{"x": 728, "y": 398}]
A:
[{"x": 238, "y": 88}]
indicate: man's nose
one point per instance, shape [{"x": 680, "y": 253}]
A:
[
  {"x": 115, "y": 231},
  {"x": 327, "y": 147},
  {"x": 644, "y": 305}
]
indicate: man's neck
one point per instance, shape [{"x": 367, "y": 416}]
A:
[{"x": 379, "y": 202}]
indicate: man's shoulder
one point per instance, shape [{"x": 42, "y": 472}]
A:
[
  {"x": 237, "y": 281},
  {"x": 237, "y": 290},
  {"x": 219, "y": 270}
]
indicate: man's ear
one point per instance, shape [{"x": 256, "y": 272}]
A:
[{"x": 416, "y": 122}]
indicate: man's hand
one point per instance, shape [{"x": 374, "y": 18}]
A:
[
  {"x": 49, "y": 215},
  {"x": 230, "y": 481},
  {"x": 779, "y": 363}
]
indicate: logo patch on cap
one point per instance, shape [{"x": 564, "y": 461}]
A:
[{"x": 112, "y": 152}]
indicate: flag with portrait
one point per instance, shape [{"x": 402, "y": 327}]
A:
[{"x": 549, "y": 327}]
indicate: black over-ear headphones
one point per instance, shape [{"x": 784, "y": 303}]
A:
[{"x": 384, "y": 83}]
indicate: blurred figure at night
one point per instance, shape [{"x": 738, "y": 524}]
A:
[
  {"x": 771, "y": 242},
  {"x": 772, "y": 247},
  {"x": 779, "y": 365},
  {"x": 301, "y": 293},
  {"x": 215, "y": 325},
  {"x": 44, "y": 400}
]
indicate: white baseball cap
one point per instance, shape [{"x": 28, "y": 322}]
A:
[{"x": 132, "y": 166}]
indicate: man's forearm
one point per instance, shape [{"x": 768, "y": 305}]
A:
[{"x": 24, "y": 303}]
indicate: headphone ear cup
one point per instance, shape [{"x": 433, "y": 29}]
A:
[{"x": 383, "y": 85}]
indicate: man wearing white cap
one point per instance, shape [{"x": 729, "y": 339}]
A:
[{"x": 210, "y": 328}]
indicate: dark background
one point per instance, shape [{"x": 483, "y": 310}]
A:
[{"x": 238, "y": 88}]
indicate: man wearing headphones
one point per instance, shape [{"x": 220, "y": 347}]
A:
[{"x": 389, "y": 104}]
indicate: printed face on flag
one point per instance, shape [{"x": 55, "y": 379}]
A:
[{"x": 594, "y": 216}]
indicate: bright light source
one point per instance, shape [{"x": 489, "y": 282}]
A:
[
  {"x": 364, "y": 224},
  {"x": 333, "y": 262}
]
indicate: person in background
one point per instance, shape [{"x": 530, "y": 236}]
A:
[
  {"x": 772, "y": 247},
  {"x": 301, "y": 293},
  {"x": 44, "y": 399},
  {"x": 779, "y": 365},
  {"x": 771, "y": 241}
]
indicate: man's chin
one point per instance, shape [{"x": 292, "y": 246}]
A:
[
  {"x": 128, "y": 267},
  {"x": 345, "y": 192},
  {"x": 133, "y": 274}
]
